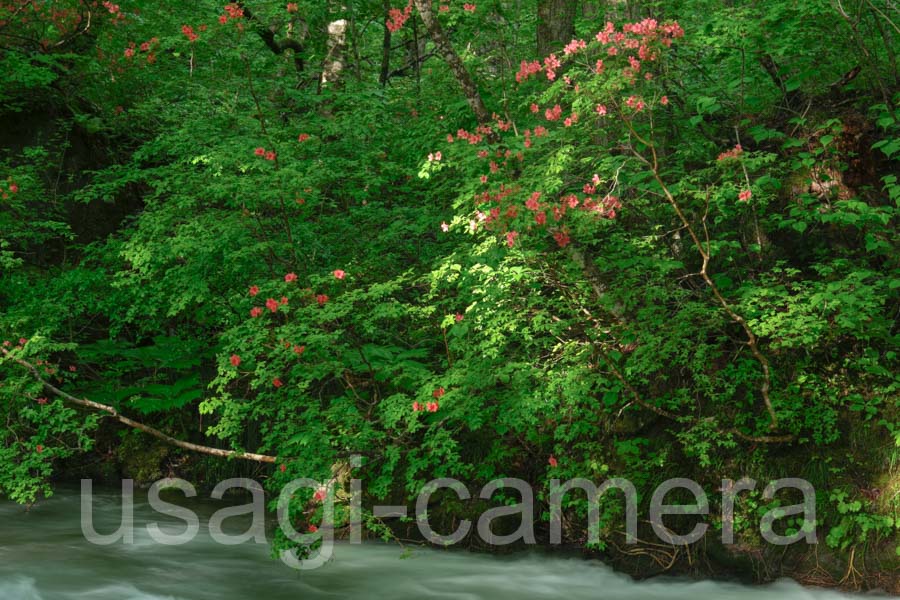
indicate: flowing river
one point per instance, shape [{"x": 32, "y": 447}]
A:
[{"x": 44, "y": 556}]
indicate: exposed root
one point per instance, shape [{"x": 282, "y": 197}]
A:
[{"x": 852, "y": 578}]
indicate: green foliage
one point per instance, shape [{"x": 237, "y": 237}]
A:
[
  {"x": 136, "y": 216},
  {"x": 855, "y": 525}
]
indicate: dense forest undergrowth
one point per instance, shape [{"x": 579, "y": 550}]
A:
[{"x": 535, "y": 239}]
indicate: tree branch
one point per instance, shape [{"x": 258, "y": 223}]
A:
[
  {"x": 639, "y": 399},
  {"x": 262, "y": 458},
  {"x": 703, "y": 251},
  {"x": 276, "y": 46}
]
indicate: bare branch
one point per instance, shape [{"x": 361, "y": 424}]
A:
[{"x": 262, "y": 458}]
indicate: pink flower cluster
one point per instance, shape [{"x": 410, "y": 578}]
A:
[
  {"x": 553, "y": 114},
  {"x": 551, "y": 63},
  {"x": 472, "y": 138},
  {"x": 189, "y": 33},
  {"x": 635, "y": 103},
  {"x": 267, "y": 154},
  {"x": 397, "y": 17},
  {"x": 733, "y": 153},
  {"x": 527, "y": 69},
  {"x": 574, "y": 46}
]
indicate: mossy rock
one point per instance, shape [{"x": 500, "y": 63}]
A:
[{"x": 142, "y": 458}]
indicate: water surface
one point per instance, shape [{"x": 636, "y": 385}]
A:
[{"x": 44, "y": 556}]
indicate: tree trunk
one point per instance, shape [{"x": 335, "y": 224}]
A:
[
  {"x": 445, "y": 49},
  {"x": 337, "y": 46},
  {"x": 386, "y": 48},
  {"x": 556, "y": 24},
  {"x": 590, "y": 9}
]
